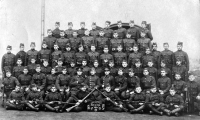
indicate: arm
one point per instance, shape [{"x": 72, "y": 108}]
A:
[
  {"x": 58, "y": 82},
  {"x": 168, "y": 85}
]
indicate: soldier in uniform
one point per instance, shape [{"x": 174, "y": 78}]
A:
[
  {"x": 147, "y": 81},
  {"x": 133, "y": 56},
  {"x": 108, "y": 32},
  {"x": 68, "y": 55},
  {"x": 120, "y": 83},
  {"x": 86, "y": 68},
  {"x": 99, "y": 70},
  {"x": 143, "y": 42},
  {"x": 8, "y": 60},
  {"x": 164, "y": 84},
  {"x": 18, "y": 70},
  {"x": 63, "y": 84},
  {"x": 121, "y": 31},
  {"x": 75, "y": 41},
  {"x": 76, "y": 81},
  {"x": 53, "y": 100},
  {"x": 115, "y": 42},
  {"x": 56, "y": 31},
  {"x": 107, "y": 79},
  {"x": 174, "y": 103},
  {"x": 128, "y": 43},
  {"x": 125, "y": 68},
  {"x": 152, "y": 70},
  {"x": 51, "y": 79},
  {"x": 39, "y": 79},
  {"x": 72, "y": 69},
  {"x": 69, "y": 31},
  {"x": 32, "y": 67},
  {"x": 156, "y": 102},
  {"x": 44, "y": 53},
  {"x": 59, "y": 67},
  {"x": 113, "y": 69},
  {"x": 16, "y": 99},
  {"x": 137, "y": 101},
  {"x": 179, "y": 68},
  {"x": 101, "y": 41},
  {"x": 138, "y": 68},
  {"x": 79, "y": 56},
  {"x": 25, "y": 81},
  {"x": 34, "y": 99},
  {"x": 62, "y": 41},
  {"x": 88, "y": 41},
  {"x": 9, "y": 83},
  {"x": 166, "y": 55},
  {"x": 147, "y": 57},
  {"x": 94, "y": 32},
  {"x": 133, "y": 30},
  {"x": 50, "y": 40},
  {"x": 56, "y": 55},
  {"x": 81, "y": 32},
  {"x": 180, "y": 54},
  {"x": 21, "y": 54},
  {"x": 105, "y": 57},
  {"x": 45, "y": 68},
  {"x": 156, "y": 55},
  {"x": 32, "y": 53},
  {"x": 193, "y": 95},
  {"x": 163, "y": 66},
  {"x": 119, "y": 56},
  {"x": 132, "y": 83},
  {"x": 147, "y": 32},
  {"x": 93, "y": 55}
]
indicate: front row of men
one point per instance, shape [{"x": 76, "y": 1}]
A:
[{"x": 64, "y": 93}]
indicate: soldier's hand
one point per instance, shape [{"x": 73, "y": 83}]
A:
[
  {"x": 61, "y": 90},
  {"x": 141, "y": 103},
  {"x": 157, "y": 104},
  {"x": 102, "y": 85},
  {"x": 127, "y": 91},
  {"x": 108, "y": 99},
  {"x": 67, "y": 90},
  {"x": 80, "y": 101},
  {"x": 181, "y": 94},
  {"x": 116, "y": 89},
  {"x": 11, "y": 101},
  {"x": 30, "y": 102},
  {"x": 51, "y": 102},
  {"x": 176, "y": 106},
  {"x": 121, "y": 106},
  {"x": 39, "y": 90},
  {"x": 27, "y": 89},
  {"x": 132, "y": 92}
]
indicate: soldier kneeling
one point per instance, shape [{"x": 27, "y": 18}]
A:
[
  {"x": 16, "y": 99},
  {"x": 34, "y": 98},
  {"x": 53, "y": 100},
  {"x": 174, "y": 103}
]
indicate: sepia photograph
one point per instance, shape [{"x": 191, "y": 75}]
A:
[{"x": 100, "y": 59}]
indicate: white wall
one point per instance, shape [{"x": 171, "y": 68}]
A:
[{"x": 171, "y": 20}]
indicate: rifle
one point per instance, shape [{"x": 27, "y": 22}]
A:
[
  {"x": 70, "y": 108},
  {"x": 113, "y": 102},
  {"x": 137, "y": 102},
  {"x": 187, "y": 100},
  {"x": 3, "y": 92},
  {"x": 59, "y": 102}
]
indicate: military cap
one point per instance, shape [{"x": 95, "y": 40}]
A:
[
  {"x": 60, "y": 59},
  {"x": 150, "y": 61},
  {"x": 162, "y": 69},
  {"x": 172, "y": 88},
  {"x": 177, "y": 73},
  {"x": 165, "y": 43},
  {"x": 33, "y": 85},
  {"x": 70, "y": 23},
  {"x": 57, "y": 23},
  {"x": 130, "y": 70},
  {"x": 120, "y": 69},
  {"x": 91, "y": 69},
  {"x": 180, "y": 43},
  {"x": 93, "y": 44},
  {"x": 75, "y": 31},
  {"x": 111, "y": 61},
  {"x": 135, "y": 45},
  {"x": 82, "y": 23},
  {"x": 128, "y": 33},
  {"x": 142, "y": 31},
  {"x": 44, "y": 42},
  {"x": 154, "y": 43},
  {"x": 55, "y": 43},
  {"x": 147, "y": 48},
  {"x": 64, "y": 68},
  {"x": 124, "y": 60},
  {"x": 49, "y": 30},
  {"x": 25, "y": 67},
  {"x": 19, "y": 59},
  {"x": 21, "y": 44},
  {"x": 131, "y": 21},
  {"x": 8, "y": 70},
  {"x": 68, "y": 45},
  {"x": 119, "y": 21},
  {"x": 79, "y": 69},
  {"x": 38, "y": 65},
  {"x": 84, "y": 85},
  {"x": 80, "y": 45},
  {"x": 45, "y": 60},
  {"x": 144, "y": 22},
  {"x": 115, "y": 32},
  {"x": 107, "y": 69},
  {"x": 119, "y": 45},
  {"x": 96, "y": 61},
  {"x": 32, "y": 43},
  {"x": 101, "y": 30},
  {"x": 32, "y": 58},
  {"x": 107, "y": 85},
  {"x": 145, "y": 69},
  {"x": 84, "y": 60},
  {"x": 137, "y": 60},
  {"x": 53, "y": 86},
  {"x": 62, "y": 31},
  {"x": 94, "y": 23},
  {"x": 163, "y": 61},
  {"x": 191, "y": 73},
  {"x": 9, "y": 46},
  {"x": 105, "y": 46},
  {"x": 72, "y": 61},
  {"x": 108, "y": 22}
]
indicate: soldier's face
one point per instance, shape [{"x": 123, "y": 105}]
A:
[
  {"x": 150, "y": 64},
  {"x": 177, "y": 77},
  {"x": 105, "y": 50},
  {"x": 107, "y": 72},
  {"x": 96, "y": 64},
  {"x": 154, "y": 47},
  {"x": 75, "y": 34},
  {"x": 60, "y": 63},
  {"x": 142, "y": 34},
  {"x": 147, "y": 51},
  {"x": 19, "y": 62},
  {"x": 146, "y": 72},
  {"x": 44, "y": 45},
  {"x": 82, "y": 25},
  {"x": 53, "y": 71},
  {"x": 131, "y": 74},
  {"x": 94, "y": 26},
  {"x": 138, "y": 64},
  {"x": 87, "y": 32},
  {"x": 80, "y": 48},
  {"x": 120, "y": 72},
  {"x": 57, "y": 25},
  {"x": 49, "y": 33},
  {"x": 128, "y": 35},
  {"x": 53, "y": 89},
  {"x": 84, "y": 63},
  {"x": 119, "y": 48},
  {"x": 163, "y": 64},
  {"x": 32, "y": 60},
  {"x": 163, "y": 73},
  {"x": 55, "y": 47},
  {"x": 172, "y": 92},
  {"x": 166, "y": 46},
  {"x": 101, "y": 33},
  {"x": 25, "y": 71},
  {"x": 107, "y": 25},
  {"x": 64, "y": 71},
  {"x": 131, "y": 24},
  {"x": 135, "y": 49},
  {"x": 72, "y": 64},
  {"x": 153, "y": 90},
  {"x": 119, "y": 25},
  {"x": 143, "y": 25},
  {"x": 178, "y": 62},
  {"x": 191, "y": 77},
  {"x": 62, "y": 34},
  {"x": 8, "y": 50},
  {"x": 17, "y": 88},
  {"x": 70, "y": 26},
  {"x": 111, "y": 64},
  {"x": 68, "y": 48},
  {"x": 32, "y": 46},
  {"x": 22, "y": 48},
  {"x": 8, "y": 74},
  {"x": 108, "y": 89},
  {"x": 83, "y": 88},
  {"x": 92, "y": 72},
  {"x": 79, "y": 72},
  {"x": 138, "y": 90},
  {"x": 179, "y": 47},
  {"x": 124, "y": 64},
  {"x": 34, "y": 88},
  {"x": 93, "y": 48},
  {"x": 115, "y": 35},
  {"x": 38, "y": 69}
]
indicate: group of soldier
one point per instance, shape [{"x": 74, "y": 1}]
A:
[{"x": 120, "y": 70}]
